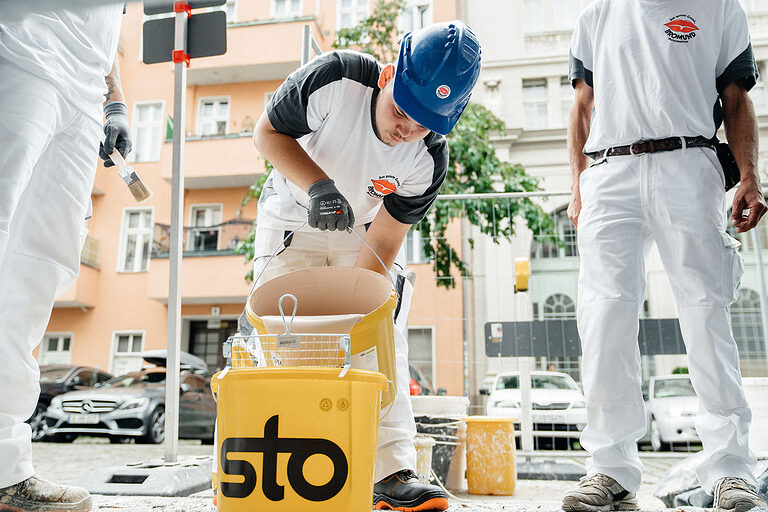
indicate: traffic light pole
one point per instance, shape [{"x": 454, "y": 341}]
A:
[{"x": 181, "y": 61}]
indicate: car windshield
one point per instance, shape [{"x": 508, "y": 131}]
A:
[
  {"x": 537, "y": 382},
  {"x": 136, "y": 379},
  {"x": 665, "y": 388},
  {"x": 53, "y": 374}
]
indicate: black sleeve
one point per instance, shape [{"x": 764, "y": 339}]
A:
[
  {"x": 741, "y": 68},
  {"x": 577, "y": 70},
  {"x": 411, "y": 210},
  {"x": 287, "y": 110}
]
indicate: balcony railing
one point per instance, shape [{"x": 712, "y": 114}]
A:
[{"x": 215, "y": 240}]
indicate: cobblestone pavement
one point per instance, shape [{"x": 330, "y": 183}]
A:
[{"x": 69, "y": 462}]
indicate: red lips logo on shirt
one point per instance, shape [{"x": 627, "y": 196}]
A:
[
  {"x": 383, "y": 186},
  {"x": 681, "y": 26}
]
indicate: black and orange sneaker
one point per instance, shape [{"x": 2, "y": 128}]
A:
[{"x": 403, "y": 491}]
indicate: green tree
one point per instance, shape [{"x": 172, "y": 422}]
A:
[{"x": 473, "y": 166}]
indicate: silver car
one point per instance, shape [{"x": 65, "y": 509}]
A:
[
  {"x": 132, "y": 406},
  {"x": 671, "y": 410}
]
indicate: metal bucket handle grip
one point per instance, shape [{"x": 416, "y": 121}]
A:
[{"x": 349, "y": 230}]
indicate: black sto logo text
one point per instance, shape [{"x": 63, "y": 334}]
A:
[{"x": 270, "y": 445}]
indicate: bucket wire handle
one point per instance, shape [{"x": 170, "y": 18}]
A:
[{"x": 282, "y": 314}]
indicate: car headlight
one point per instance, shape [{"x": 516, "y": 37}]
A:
[
  {"x": 136, "y": 403},
  {"x": 56, "y": 403},
  {"x": 506, "y": 403},
  {"x": 578, "y": 405}
]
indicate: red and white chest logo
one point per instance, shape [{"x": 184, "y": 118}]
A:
[
  {"x": 681, "y": 28},
  {"x": 383, "y": 186}
]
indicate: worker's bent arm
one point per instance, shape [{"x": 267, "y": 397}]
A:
[
  {"x": 385, "y": 236},
  {"x": 285, "y": 153},
  {"x": 114, "y": 89},
  {"x": 579, "y": 121},
  {"x": 741, "y": 131}
]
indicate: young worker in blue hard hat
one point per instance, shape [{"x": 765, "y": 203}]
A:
[{"x": 348, "y": 135}]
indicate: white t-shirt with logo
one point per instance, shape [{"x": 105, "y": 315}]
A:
[
  {"x": 328, "y": 106},
  {"x": 657, "y": 67},
  {"x": 73, "y": 48}
]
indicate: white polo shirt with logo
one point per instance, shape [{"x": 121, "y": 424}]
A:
[
  {"x": 657, "y": 67},
  {"x": 328, "y": 105}
]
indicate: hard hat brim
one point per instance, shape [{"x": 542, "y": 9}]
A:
[{"x": 409, "y": 104}]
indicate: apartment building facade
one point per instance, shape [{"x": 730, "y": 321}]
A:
[{"x": 118, "y": 306}]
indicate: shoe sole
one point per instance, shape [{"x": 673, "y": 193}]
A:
[
  {"x": 83, "y": 506},
  {"x": 437, "y": 504},
  {"x": 571, "y": 504}
]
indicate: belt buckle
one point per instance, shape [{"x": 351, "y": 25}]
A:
[{"x": 632, "y": 148}]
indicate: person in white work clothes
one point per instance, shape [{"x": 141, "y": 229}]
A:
[
  {"x": 55, "y": 68},
  {"x": 653, "y": 82},
  {"x": 359, "y": 145}
]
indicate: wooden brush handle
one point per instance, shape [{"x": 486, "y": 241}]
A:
[{"x": 117, "y": 158}]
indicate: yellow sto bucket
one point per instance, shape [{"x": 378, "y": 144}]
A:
[
  {"x": 294, "y": 439},
  {"x": 335, "y": 300},
  {"x": 491, "y": 455}
]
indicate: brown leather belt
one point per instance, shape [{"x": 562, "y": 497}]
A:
[{"x": 653, "y": 146}]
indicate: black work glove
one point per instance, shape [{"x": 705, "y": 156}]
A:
[
  {"x": 328, "y": 209},
  {"x": 117, "y": 132}
]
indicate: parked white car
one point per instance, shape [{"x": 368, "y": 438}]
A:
[
  {"x": 671, "y": 410},
  {"x": 558, "y": 408}
]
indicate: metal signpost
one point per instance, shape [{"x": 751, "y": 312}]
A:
[{"x": 199, "y": 35}]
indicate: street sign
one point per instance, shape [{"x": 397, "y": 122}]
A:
[
  {"x": 162, "y": 6},
  {"x": 206, "y": 36}
]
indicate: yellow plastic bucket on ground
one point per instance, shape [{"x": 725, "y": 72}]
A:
[
  {"x": 491, "y": 455},
  {"x": 335, "y": 300},
  {"x": 293, "y": 439}
]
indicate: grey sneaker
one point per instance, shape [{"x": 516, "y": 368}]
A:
[
  {"x": 735, "y": 495},
  {"x": 37, "y": 495},
  {"x": 599, "y": 493}
]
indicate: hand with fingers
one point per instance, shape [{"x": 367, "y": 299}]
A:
[
  {"x": 748, "y": 198},
  {"x": 328, "y": 209},
  {"x": 117, "y": 132}
]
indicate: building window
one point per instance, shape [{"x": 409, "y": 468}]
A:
[
  {"x": 559, "y": 306},
  {"x": 56, "y": 349},
  {"x": 286, "y": 8},
  {"x": 135, "y": 238},
  {"x": 535, "y": 113},
  {"x": 545, "y": 247},
  {"x": 566, "y": 98},
  {"x": 417, "y": 14},
  {"x": 147, "y": 131},
  {"x": 126, "y": 352},
  {"x": 213, "y": 117},
  {"x": 205, "y": 230},
  {"x": 421, "y": 350},
  {"x": 351, "y": 12},
  {"x": 566, "y": 12},
  {"x": 414, "y": 247},
  {"x": 533, "y": 16}
]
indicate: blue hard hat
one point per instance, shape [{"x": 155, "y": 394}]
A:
[{"x": 437, "y": 68}]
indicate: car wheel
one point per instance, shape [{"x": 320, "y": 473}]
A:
[
  {"x": 657, "y": 443},
  {"x": 37, "y": 422},
  {"x": 155, "y": 427}
]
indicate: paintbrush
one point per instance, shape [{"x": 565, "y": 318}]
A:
[{"x": 139, "y": 191}]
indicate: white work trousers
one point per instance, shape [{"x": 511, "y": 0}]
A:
[
  {"x": 47, "y": 166},
  {"x": 676, "y": 199},
  {"x": 316, "y": 248}
]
